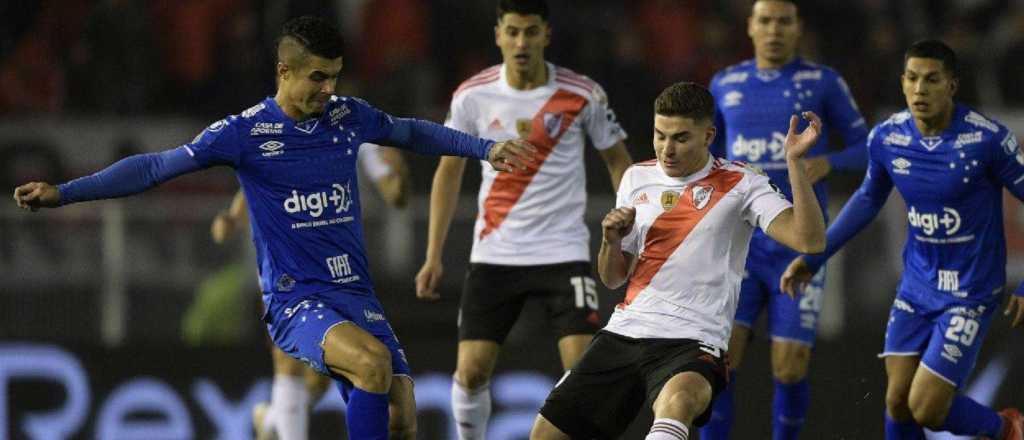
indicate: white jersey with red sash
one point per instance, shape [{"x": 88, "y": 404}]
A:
[
  {"x": 691, "y": 236},
  {"x": 537, "y": 217}
]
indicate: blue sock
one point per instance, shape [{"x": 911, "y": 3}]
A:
[
  {"x": 967, "y": 417},
  {"x": 721, "y": 414},
  {"x": 367, "y": 415},
  {"x": 902, "y": 430},
  {"x": 789, "y": 409}
]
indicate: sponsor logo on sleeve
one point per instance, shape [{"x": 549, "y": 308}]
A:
[
  {"x": 251, "y": 111},
  {"x": 735, "y": 77},
  {"x": 896, "y": 139},
  {"x": 977, "y": 120},
  {"x": 804, "y": 75}
]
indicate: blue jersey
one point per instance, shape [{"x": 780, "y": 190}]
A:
[
  {"x": 752, "y": 109},
  {"x": 300, "y": 181},
  {"x": 952, "y": 184}
]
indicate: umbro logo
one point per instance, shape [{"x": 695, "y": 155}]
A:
[
  {"x": 901, "y": 166},
  {"x": 272, "y": 148}
]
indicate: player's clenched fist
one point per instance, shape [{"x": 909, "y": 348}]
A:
[
  {"x": 35, "y": 195},
  {"x": 617, "y": 223},
  {"x": 512, "y": 155}
]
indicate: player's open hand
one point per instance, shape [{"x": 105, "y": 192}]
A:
[
  {"x": 427, "y": 280},
  {"x": 515, "y": 155},
  {"x": 617, "y": 223},
  {"x": 1016, "y": 302},
  {"x": 35, "y": 195},
  {"x": 796, "y": 277},
  {"x": 797, "y": 144}
]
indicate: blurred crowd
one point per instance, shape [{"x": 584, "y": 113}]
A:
[{"x": 207, "y": 58}]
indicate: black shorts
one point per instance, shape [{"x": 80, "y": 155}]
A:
[
  {"x": 604, "y": 392},
  {"x": 493, "y": 296}
]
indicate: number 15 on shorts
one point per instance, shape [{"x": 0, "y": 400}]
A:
[{"x": 586, "y": 292}]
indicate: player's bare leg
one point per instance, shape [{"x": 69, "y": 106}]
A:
[
  {"x": 571, "y": 348},
  {"x": 899, "y": 371},
  {"x": 790, "y": 361},
  {"x": 545, "y": 430},
  {"x": 930, "y": 399},
  {"x": 683, "y": 398},
  {"x": 402, "y": 409},
  {"x": 364, "y": 361},
  {"x": 471, "y": 394},
  {"x": 738, "y": 346},
  {"x": 316, "y": 384}
]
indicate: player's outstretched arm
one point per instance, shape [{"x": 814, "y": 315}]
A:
[
  {"x": 227, "y": 222},
  {"x": 618, "y": 160},
  {"x": 801, "y": 228},
  {"x": 614, "y": 265},
  {"x": 430, "y": 138},
  {"x": 444, "y": 196},
  {"x": 131, "y": 175}
]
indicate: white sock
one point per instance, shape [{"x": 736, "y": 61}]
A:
[
  {"x": 668, "y": 429},
  {"x": 289, "y": 407},
  {"x": 472, "y": 409}
]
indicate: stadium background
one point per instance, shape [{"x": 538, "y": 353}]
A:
[{"x": 101, "y": 331}]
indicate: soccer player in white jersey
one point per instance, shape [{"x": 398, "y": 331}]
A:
[
  {"x": 679, "y": 234},
  {"x": 296, "y": 388},
  {"x": 530, "y": 242}
]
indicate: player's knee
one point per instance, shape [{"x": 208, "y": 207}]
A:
[
  {"x": 681, "y": 405},
  {"x": 401, "y": 429},
  {"x": 791, "y": 366},
  {"x": 896, "y": 402},
  {"x": 471, "y": 376},
  {"x": 372, "y": 369},
  {"x": 930, "y": 413}
]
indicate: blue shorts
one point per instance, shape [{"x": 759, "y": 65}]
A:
[
  {"x": 946, "y": 337},
  {"x": 298, "y": 326},
  {"x": 789, "y": 319}
]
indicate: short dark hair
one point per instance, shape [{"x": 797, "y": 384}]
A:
[
  {"x": 523, "y": 7},
  {"x": 936, "y": 50},
  {"x": 792, "y": 2},
  {"x": 686, "y": 99},
  {"x": 315, "y": 34}
]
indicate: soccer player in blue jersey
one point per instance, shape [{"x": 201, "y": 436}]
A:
[
  {"x": 295, "y": 157},
  {"x": 950, "y": 165},
  {"x": 751, "y": 100}
]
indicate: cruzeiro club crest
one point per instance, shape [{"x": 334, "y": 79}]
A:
[
  {"x": 523, "y": 127},
  {"x": 669, "y": 199},
  {"x": 702, "y": 195}
]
